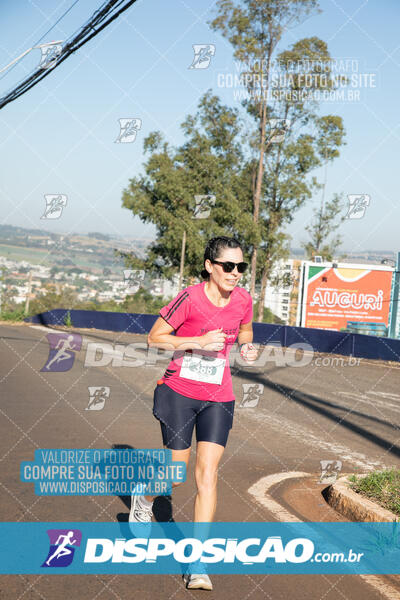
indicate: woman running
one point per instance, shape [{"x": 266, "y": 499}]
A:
[{"x": 196, "y": 388}]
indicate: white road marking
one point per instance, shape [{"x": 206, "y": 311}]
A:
[
  {"x": 43, "y": 328},
  {"x": 298, "y": 432},
  {"x": 374, "y": 402},
  {"x": 260, "y": 492}
]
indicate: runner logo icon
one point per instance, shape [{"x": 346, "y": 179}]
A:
[
  {"x": 358, "y": 204},
  {"x": 330, "y": 470},
  {"x": 251, "y": 394},
  {"x": 98, "y": 396},
  {"x": 128, "y": 129},
  {"x": 202, "y": 55},
  {"x": 62, "y": 351},
  {"x": 133, "y": 279},
  {"x": 62, "y": 547},
  {"x": 50, "y": 54},
  {"x": 55, "y": 203}
]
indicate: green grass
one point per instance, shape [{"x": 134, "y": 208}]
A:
[
  {"x": 13, "y": 315},
  {"x": 382, "y": 487}
]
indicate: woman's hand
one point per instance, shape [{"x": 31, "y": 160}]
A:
[
  {"x": 213, "y": 340},
  {"x": 248, "y": 352}
]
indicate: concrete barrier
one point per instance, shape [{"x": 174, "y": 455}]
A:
[{"x": 354, "y": 506}]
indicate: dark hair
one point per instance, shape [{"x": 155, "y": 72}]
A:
[{"x": 213, "y": 250}]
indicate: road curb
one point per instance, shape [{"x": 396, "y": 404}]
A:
[{"x": 355, "y": 507}]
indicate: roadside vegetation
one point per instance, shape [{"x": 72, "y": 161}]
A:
[
  {"x": 382, "y": 487},
  {"x": 142, "y": 302}
]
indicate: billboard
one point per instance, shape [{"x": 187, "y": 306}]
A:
[{"x": 335, "y": 297}]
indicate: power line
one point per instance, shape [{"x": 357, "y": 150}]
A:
[
  {"x": 44, "y": 35},
  {"x": 85, "y": 33}
]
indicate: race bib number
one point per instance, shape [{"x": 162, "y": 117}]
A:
[{"x": 199, "y": 368}]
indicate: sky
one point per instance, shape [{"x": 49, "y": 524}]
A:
[{"x": 60, "y": 137}]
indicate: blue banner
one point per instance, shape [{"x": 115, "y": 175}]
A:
[
  {"x": 103, "y": 472},
  {"x": 146, "y": 548}
]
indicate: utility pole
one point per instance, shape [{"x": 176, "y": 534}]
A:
[
  {"x": 182, "y": 259},
  {"x": 28, "y": 295}
]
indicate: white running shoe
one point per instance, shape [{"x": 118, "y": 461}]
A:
[
  {"x": 199, "y": 581},
  {"x": 140, "y": 513}
]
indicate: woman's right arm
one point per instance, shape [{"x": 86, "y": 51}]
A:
[{"x": 160, "y": 337}]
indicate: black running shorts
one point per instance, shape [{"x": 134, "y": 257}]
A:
[{"x": 179, "y": 414}]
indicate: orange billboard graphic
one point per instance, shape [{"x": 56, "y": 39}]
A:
[{"x": 335, "y": 296}]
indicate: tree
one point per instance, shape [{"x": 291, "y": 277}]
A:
[
  {"x": 254, "y": 30},
  {"x": 209, "y": 162},
  {"x": 284, "y": 156},
  {"x": 325, "y": 222}
]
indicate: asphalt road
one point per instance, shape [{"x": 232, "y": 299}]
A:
[{"x": 302, "y": 415}]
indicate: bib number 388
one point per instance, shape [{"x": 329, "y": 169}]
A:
[{"x": 197, "y": 368}]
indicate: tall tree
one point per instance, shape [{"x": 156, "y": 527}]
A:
[
  {"x": 309, "y": 142},
  {"x": 254, "y": 28},
  {"x": 284, "y": 156}
]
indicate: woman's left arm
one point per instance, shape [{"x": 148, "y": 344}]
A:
[{"x": 245, "y": 337}]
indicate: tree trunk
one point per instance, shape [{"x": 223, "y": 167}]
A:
[
  {"x": 257, "y": 194},
  {"x": 182, "y": 259},
  {"x": 273, "y": 225},
  {"x": 260, "y": 171},
  {"x": 261, "y": 301}
]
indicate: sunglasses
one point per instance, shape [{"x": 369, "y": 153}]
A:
[{"x": 229, "y": 266}]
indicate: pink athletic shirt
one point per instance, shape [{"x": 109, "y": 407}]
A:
[{"x": 192, "y": 314}]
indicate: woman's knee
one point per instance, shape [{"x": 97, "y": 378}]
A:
[{"x": 206, "y": 477}]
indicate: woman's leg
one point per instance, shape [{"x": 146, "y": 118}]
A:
[
  {"x": 206, "y": 471},
  {"x": 177, "y": 424},
  {"x": 181, "y": 455}
]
